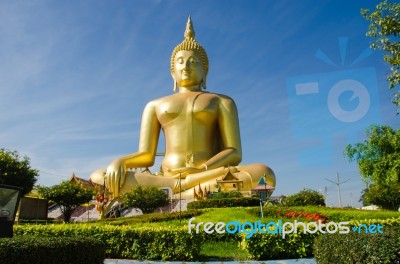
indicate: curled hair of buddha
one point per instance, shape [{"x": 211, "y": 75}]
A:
[{"x": 189, "y": 43}]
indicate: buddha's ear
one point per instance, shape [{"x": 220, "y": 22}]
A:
[
  {"x": 204, "y": 82},
  {"x": 175, "y": 84}
]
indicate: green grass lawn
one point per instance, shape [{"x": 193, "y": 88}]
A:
[
  {"x": 248, "y": 214},
  {"x": 223, "y": 250}
]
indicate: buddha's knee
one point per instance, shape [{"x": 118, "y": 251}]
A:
[
  {"x": 259, "y": 170},
  {"x": 98, "y": 176}
]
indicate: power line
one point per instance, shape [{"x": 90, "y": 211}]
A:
[
  {"x": 54, "y": 174},
  {"x": 337, "y": 182}
]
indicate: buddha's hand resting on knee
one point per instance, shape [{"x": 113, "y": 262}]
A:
[{"x": 115, "y": 176}]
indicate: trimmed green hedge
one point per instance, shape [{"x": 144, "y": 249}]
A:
[
  {"x": 226, "y": 202},
  {"x": 359, "y": 247},
  {"x": 329, "y": 214},
  {"x": 150, "y": 218},
  {"x": 273, "y": 246},
  {"x": 330, "y": 248},
  {"x": 389, "y": 222},
  {"x": 126, "y": 241},
  {"x": 50, "y": 250}
]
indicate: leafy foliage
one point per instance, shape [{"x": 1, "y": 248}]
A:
[
  {"x": 126, "y": 242},
  {"x": 273, "y": 246},
  {"x": 152, "y": 218},
  {"x": 385, "y": 196},
  {"x": 67, "y": 195},
  {"x": 385, "y": 29},
  {"x": 305, "y": 197},
  {"x": 387, "y": 223},
  {"x": 223, "y": 195},
  {"x": 320, "y": 213},
  {"x": 49, "y": 250},
  {"x": 359, "y": 248},
  {"x": 146, "y": 199},
  {"x": 16, "y": 171},
  {"x": 225, "y": 202},
  {"x": 378, "y": 157}
]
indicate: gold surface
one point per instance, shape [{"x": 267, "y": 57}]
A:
[{"x": 201, "y": 132}]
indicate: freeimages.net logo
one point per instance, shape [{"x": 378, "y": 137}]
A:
[
  {"x": 323, "y": 105},
  {"x": 280, "y": 228}
]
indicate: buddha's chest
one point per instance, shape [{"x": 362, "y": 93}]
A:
[{"x": 200, "y": 107}]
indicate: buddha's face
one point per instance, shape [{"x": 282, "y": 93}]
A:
[{"x": 188, "y": 69}]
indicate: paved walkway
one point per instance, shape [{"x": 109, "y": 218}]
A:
[{"x": 285, "y": 261}]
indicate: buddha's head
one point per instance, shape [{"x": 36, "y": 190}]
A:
[{"x": 191, "y": 52}]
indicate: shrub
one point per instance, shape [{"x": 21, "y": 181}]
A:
[
  {"x": 329, "y": 214},
  {"x": 223, "y": 195},
  {"x": 273, "y": 246},
  {"x": 49, "y": 250},
  {"x": 146, "y": 199},
  {"x": 226, "y": 202},
  {"x": 150, "y": 218},
  {"x": 389, "y": 222},
  {"x": 305, "y": 197},
  {"x": 359, "y": 247},
  {"x": 127, "y": 242}
]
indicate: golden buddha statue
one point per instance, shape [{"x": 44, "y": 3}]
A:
[{"x": 201, "y": 132}]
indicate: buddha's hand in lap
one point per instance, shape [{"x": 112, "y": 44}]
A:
[{"x": 115, "y": 176}]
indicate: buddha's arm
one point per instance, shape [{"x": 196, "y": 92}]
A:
[
  {"x": 228, "y": 122},
  {"x": 149, "y": 133}
]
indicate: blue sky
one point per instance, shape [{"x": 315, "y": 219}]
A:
[{"x": 76, "y": 75}]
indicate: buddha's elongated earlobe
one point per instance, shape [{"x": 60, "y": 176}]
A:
[
  {"x": 203, "y": 83},
  {"x": 175, "y": 83}
]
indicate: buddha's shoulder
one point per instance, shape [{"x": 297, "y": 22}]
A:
[
  {"x": 217, "y": 96},
  {"x": 160, "y": 100},
  {"x": 223, "y": 97}
]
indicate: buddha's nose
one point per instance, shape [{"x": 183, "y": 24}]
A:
[{"x": 187, "y": 64}]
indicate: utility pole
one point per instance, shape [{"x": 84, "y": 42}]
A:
[
  {"x": 180, "y": 198},
  {"x": 337, "y": 182}
]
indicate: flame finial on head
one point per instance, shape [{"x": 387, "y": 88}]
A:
[{"x": 189, "y": 32}]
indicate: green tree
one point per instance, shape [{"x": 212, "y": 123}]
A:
[
  {"x": 16, "y": 171},
  {"x": 67, "y": 195},
  {"x": 305, "y": 197},
  {"x": 385, "y": 29},
  {"x": 378, "y": 157},
  {"x": 386, "y": 196},
  {"x": 146, "y": 199}
]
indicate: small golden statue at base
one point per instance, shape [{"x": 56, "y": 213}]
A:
[{"x": 202, "y": 136}]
